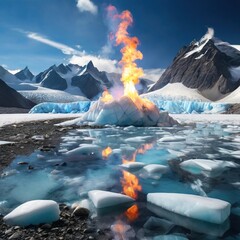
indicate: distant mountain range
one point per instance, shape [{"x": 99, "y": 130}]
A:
[
  {"x": 65, "y": 83},
  {"x": 210, "y": 66},
  {"x": 206, "y": 70}
]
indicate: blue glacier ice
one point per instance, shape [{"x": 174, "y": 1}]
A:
[
  {"x": 171, "y": 106},
  {"x": 73, "y": 107}
]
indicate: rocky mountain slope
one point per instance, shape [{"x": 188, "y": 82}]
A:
[
  {"x": 11, "y": 98},
  {"x": 210, "y": 66}
]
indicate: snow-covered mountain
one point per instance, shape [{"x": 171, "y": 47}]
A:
[
  {"x": 24, "y": 74},
  {"x": 11, "y": 98},
  {"x": 210, "y": 66},
  {"x": 8, "y": 78}
]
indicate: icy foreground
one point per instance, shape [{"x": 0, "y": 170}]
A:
[
  {"x": 33, "y": 213},
  {"x": 192, "y": 206},
  {"x": 124, "y": 112}
]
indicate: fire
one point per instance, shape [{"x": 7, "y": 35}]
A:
[
  {"x": 106, "y": 152},
  {"x": 132, "y": 213},
  {"x": 144, "y": 148},
  {"x": 130, "y": 184},
  {"x": 133, "y": 159},
  {"x": 130, "y": 71},
  {"x": 106, "y": 97}
]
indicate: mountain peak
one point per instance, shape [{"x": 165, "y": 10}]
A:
[
  {"x": 90, "y": 64},
  {"x": 24, "y": 74},
  {"x": 208, "y": 35}
]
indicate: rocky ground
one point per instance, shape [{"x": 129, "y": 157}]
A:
[
  {"x": 24, "y": 138},
  {"x": 234, "y": 109},
  {"x": 71, "y": 225},
  {"x": 5, "y": 110}
]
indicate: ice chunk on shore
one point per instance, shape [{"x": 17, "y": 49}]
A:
[
  {"x": 102, "y": 199},
  {"x": 33, "y": 213},
  {"x": 210, "y": 168},
  {"x": 192, "y": 206}
]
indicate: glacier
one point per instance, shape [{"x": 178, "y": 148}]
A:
[
  {"x": 73, "y": 107},
  {"x": 171, "y": 106}
]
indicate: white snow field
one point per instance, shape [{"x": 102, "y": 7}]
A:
[
  {"x": 33, "y": 213},
  {"x": 192, "y": 206},
  {"x": 8, "y": 119},
  {"x": 176, "y": 91}
]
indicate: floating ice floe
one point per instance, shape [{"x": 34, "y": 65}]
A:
[
  {"x": 210, "y": 168},
  {"x": 103, "y": 199},
  {"x": 33, "y": 213},
  {"x": 192, "y": 206},
  {"x": 133, "y": 165},
  {"x": 84, "y": 150},
  {"x": 172, "y": 139},
  {"x": 155, "y": 169}
]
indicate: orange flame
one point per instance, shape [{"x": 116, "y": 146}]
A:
[
  {"x": 144, "y": 148},
  {"x": 106, "y": 97},
  {"x": 132, "y": 213},
  {"x": 130, "y": 184},
  {"x": 131, "y": 73},
  {"x": 106, "y": 152}
]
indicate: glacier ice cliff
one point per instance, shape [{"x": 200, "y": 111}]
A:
[{"x": 171, "y": 106}]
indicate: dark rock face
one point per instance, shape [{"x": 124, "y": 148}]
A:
[
  {"x": 202, "y": 70},
  {"x": 91, "y": 82},
  {"x": 54, "y": 81},
  {"x": 11, "y": 98},
  {"x": 89, "y": 86},
  {"x": 24, "y": 74},
  {"x": 42, "y": 75},
  {"x": 63, "y": 69}
]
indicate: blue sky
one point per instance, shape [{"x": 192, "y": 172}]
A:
[{"x": 163, "y": 27}]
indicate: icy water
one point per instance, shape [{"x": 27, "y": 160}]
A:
[{"x": 67, "y": 173}]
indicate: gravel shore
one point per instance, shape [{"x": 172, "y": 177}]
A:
[
  {"x": 24, "y": 143},
  {"x": 71, "y": 226}
]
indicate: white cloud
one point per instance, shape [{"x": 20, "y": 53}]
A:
[
  {"x": 153, "y": 74},
  {"x": 82, "y": 58},
  {"x": 64, "y": 48},
  {"x": 87, "y": 6},
  {"x": 103, "y": 64},
  {"x": 14, "y": 71}
]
